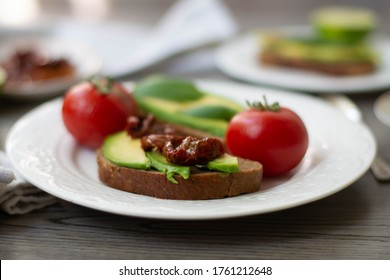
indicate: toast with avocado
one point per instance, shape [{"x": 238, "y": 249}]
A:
[
  {"x": 338, "y": 46},
  {"x": 313, "y": 54},
  {"x": 124, "y": 164},
  {"x": 175, "y": 149}
]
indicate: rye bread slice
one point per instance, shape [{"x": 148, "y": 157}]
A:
[
  {"x": 335, "y": 69},
  {"x": 199, "y": 186}
]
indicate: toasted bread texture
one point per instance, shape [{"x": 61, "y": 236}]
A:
[
  {"x": 335, "y": 69},
  {"x": 199, "y": 186}
]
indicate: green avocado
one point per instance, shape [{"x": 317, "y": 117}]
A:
[
  {"x": 317, "y": 49},
  {"x": 225, "y": 163},
  {"x": 216, "y": 112},
  {"x": 122, "y": 150},
  {"x": 3, "y": 77},
  {"x": 343, "y": 24},
  {"x": 183, "y": 104}
]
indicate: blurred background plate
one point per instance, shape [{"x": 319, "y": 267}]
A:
[
  {"x": 93, "y": 47},
  {"x": 85, "y": 60},
  {"x": 238, "y": 58}
]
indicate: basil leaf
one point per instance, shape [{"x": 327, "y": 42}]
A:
[
  {"x": 159, "y": 162},
  {"x": 168, "y": 89}
]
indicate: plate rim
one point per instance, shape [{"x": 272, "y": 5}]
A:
[
  {"x": 174, "y": 216},
  {"x": 379, "y": 112}
]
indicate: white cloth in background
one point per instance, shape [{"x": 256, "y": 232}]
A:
[{"x": 186, "y": 26}]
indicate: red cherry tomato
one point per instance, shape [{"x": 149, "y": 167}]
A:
[
  {"x": 92, "y": 110},
  {"x": 276, "y": 137}
]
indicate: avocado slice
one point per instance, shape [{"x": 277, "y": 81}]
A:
[
  {"x": 317, "y": 49},
  {"x": 217, "y": 112},
  {"x": 3, "y": 77},
  {"x": 343, "y": 24},
  {"x": 201, "y": 111},
  {"x": 225, "y": 163},
  {"x": 122, "y": 150},
  {"x": 125, "y": 151},
  {"x": 160, "y": 163}
]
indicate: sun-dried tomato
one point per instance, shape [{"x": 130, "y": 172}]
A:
[
  {"x": 138, "y": 127},
  {"x": 185, "y": 150},
  {"x": 158, "y": 141},
  {"x": 30, "y": 65}
]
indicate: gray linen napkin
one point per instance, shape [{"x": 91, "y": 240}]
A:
[{"x": 17, "y": 196}]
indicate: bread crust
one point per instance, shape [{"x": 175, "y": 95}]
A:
[
  {"x": 199, "y": 186},
  {"x": 335, "y": 69}
]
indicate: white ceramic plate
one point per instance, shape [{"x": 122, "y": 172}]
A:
[
  {"x": 86, "y": 61},
  {"x": 238, "y": 58},
  {"x": 340, "y": 151}
]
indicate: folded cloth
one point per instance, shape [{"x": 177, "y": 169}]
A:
[
  {"x": 126, "y": 48},
  {"x": 187, "y": 25},
  {"x": 17, "y": 196}
]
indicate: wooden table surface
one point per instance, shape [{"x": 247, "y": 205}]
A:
[{"x": 351, "y": 224}]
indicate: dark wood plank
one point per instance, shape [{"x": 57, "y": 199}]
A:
[{"x": 352, "y": 224}]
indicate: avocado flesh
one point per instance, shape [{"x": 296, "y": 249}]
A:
[
  {"x": 346, "y": 18},
  {"x": 343, "y": 24},
  {"x": 182, "y": 113},
  {"x": 211, "y": 112},
  {"x": 225, "y": 163},
  {"x": 3, "y": 77},
  {"x": 123, "y": 150},
  {"x": 316, "y": 49}
]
